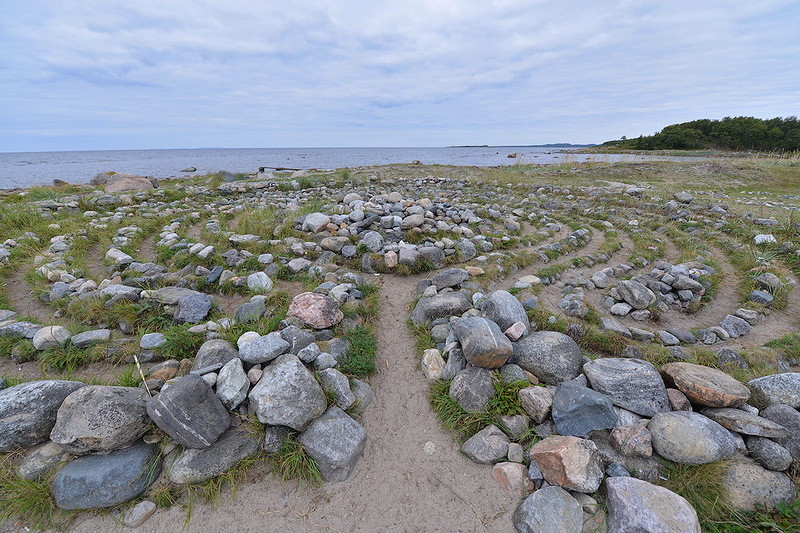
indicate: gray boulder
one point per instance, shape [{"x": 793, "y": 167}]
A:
[
  {"x": 472, "y": 388},
  {"x": 745, "y": 423},
  {"x": 636, "y": 505},
  {"x": 635, "y": 294},
  {"x": 735, "y": 326},
  {"x": 777, "y": 388},
  {"x": 440, "y": 306},
  {"x": 690, "y": 438},
  {"x": 549, "y": 510},
  {"x": 335, "y": 441},
  {"x": 578, "y": 410},
  {"x": 196, "y": 466},
  {"x": 213, "y": 355},
  {"x": 193, "y": 308},
  {"x": 746, "y": 485},
  {"x": 189, "y": 412},
  {"x": 98, "y": 481},
  {"x": 99, "y": 419},
  {"x": 21, "y": 425},
  {"x": 482, "y": 342},
  {"x": 487, "y": 446},
  {"x": 297, "y": 338},
  {"x": 287, "y": 394},
  {"x": 550, "y": 356},
  {"x": 336, "y": 384},
  {"x": 232, "y": 384},
  {"x": 263, "y": 349},
  {"x": 449, "y": 278},
  {"x": 90, "y": 338},
  {"x": 789, "y": 418},
  {"x": 769, "y": 453},
  {"x": 632, "y": 384},
  {"x": 505, "y": 309}
]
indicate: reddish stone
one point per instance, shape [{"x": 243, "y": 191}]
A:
[
  {"x": 315, "y": 310},
  {"x": 704, "y": 385}
]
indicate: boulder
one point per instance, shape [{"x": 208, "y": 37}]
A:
[
  {"x": 636, "y": 505},
  {"x": 196, "y": 466},
  {"x": 635, "y": 294},
  {"x": 690, "y": 438},
  {"x": 746, "y": 485},
  {"x": 98, "y": 481},
  {"x": 745, "y": 423},
  {"x": 777, "y": 388},
  {"x": 734, "y": 326},
  {"x": 549, "y": 510},
  {"x": 259, "y": 282},
  {"x": 512, "y": 478},
  {"x": 632, "y": 384},
  {"x": 569, "y": 462},
  {"x": 440, "y": 306},
  {"x": 41, "y": 460},
  {"x": 550, "y": 356},
  {"x": 287, "y": 394},
  {"x": 100, "y": 419},
  {"x": 263, "y": 349},
  {"x": 192, "y": 308},
  {"x": 536, "y": 401},
  {"x": 90, "y": 338},
  {"x": 504, "y": 309},
  {"x": 482, "y": 342},
  {"x": 213, "y": 355},
  {"x": 578, "y": 410},
  {"x": 336, "y": 384},
  {"x": 315, "y": 310},
  {"x": 335, "y": 441},
  {"x": 190, "y": 412},
  {"x": 789, "y": 418},
  {"x": 23, "y": 426},
  {"x": 704, "y": 385},
  {"x": 488, "y": 446},
  {"x": 51, "y": 337},
  {"x": 315, "y": 222},
  {"x": 126, "y": 183},
  {"x": 472, "y": 388},
  {"x": 769, "y": 453},
  {"x": 232, "y": 384},
  {"x": 449, "y": 278}
]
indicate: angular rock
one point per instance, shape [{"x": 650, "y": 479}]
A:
[
  {"x": 536, "y": 401},
  {"x": 789, "y": 418},
  {"x": 51, "y": 337},
  {"x": 578, "y": 410},
  {"x": 440, "y": 306},
  {"x": 315, "y": 310},
  {"x": 635, "y": 294},
  {"x": 315, "y": 222},
  {"x": 287, "y": 394},
  {"x": 777, "y": 388},
  {"x": 263, "y": 349},
  {"x": 335, "y": 441},
  {"x": 636, "y": 505},
  {"x": 633, "y": 440},
  {"x": 632, "y": 384},
  {"x": 196, "y": 466},
  {"x": 98, "y": 481},
  {"x": 504, "y": 309},
  {"x": 482, "y": 342},
  {"x": 449, "y": 278},
  {"x": 193, "y": 308},
  {"x": 550, "y": 356},
  {"x": 90, "y": 338},
  {"x": 432, "y": 364},
  {"x": 769, "y": 453},
  {"x": 512, "y": 478},
  {"x": 690, "y": 438},
  {"x": 735, "y": 326},
  {"x": 41, "y": 460},
  {"x": 704, "y": 385},
  {"x": 549, "y": 510},
  {"x": 472, "y": 388},
  {"x": 232, "y": 384},
  {"x": 335, "y": 383},
  {"x": 22, "y": 426},
  {"x": 569, "y": 462},
  {"x": 100, "y": 419},
  {"x": 488, "y": 446},
  {"x": 189, "y": 412},
  {"x": 213, "y": 355},
  {"x": 259, "y": 282},
  {"x": 748, "y": 486},
  {"x": 746, "y": 423}
]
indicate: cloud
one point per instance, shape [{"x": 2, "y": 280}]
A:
[{"x": 436, "y": 72}]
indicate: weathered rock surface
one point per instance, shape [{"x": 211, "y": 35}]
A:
[
  {"x": 335, "y": 441},
  {"x": 472, "y": 388},
  {"x": 287, "y": 394},
  {"x": 777, "y": 388},
  {"x": 213, "y": 355},
  {"x": 687, "y": 437},
  {"x": 98, "y": 481},
  {"x": 704, "y": 385},
  {"x": 190, "y": 412},
  {"x": 504, "y": 309},
  {"x": 99, "y": 419},
  {"x": 549, "y": 510},
  {"x": 578, "y": 410},
  {"x": 550, "y": 356},
  {"x": 440, "y": 306},
  {"x": 482, "y": 342},
  {"x": 315, "y": 310},
  {"x": 636, "y": 505},
  {"x": 569, "y": 462},
  {"x": 487, "y": 446},
  {"x": 632, "y": 384},
  {"x": 196, "y": 466},
  {"x": 263, "y": 349},
  {"x": 22, "y": 426},
  {"x": 789, "y": 418},
  {"x": 745, "y": 423},
  {"x": 747, "y": 485}
]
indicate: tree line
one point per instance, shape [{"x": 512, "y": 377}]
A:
[{"x": 731, "y": 133}]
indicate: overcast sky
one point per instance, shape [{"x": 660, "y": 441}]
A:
[{"x": 108, "y": 74}]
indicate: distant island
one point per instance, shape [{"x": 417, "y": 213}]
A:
[{"x": 736, "y": 133}]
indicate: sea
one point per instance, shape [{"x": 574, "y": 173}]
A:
[{"x": 26, "y": 169}]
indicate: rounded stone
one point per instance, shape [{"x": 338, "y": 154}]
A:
[{"x": 704, "y": 385}]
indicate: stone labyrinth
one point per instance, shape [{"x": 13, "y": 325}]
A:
[{"x": 616, "y": 355}]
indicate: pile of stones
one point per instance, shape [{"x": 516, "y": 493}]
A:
[
  {"x": 101, "y": 440},
  {"x": 607, "y": 420}
]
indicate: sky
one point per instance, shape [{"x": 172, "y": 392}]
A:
[{"x": 108, "y": 74}]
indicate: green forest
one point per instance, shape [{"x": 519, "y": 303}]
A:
[{"x": 730, "y": 133}]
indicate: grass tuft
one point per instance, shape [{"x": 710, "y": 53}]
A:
[{"x": 359, "y": 361}]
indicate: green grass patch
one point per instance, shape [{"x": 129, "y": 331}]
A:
[
  {"x": 68, "y": 358},
  {"x": 29, "y": 502},
  {"x": 293, "y": 462},
  {"x": 788, "y": 344},
  {"x": 359, "y": 361},
  {"x": 181, "y": 344}
]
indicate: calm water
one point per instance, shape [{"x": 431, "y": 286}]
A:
[{"x": 40, "y": 168}]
